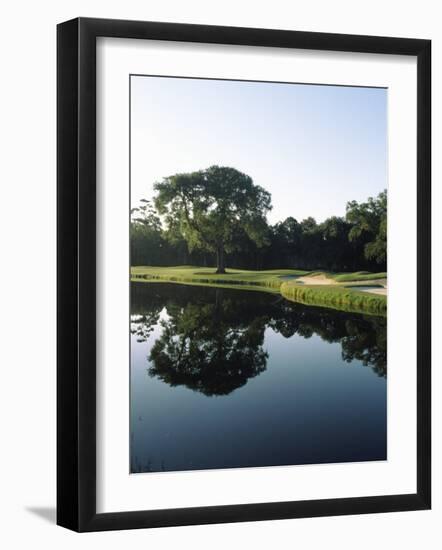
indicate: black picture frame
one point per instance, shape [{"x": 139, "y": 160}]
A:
[{"x": 76, "y": 273}]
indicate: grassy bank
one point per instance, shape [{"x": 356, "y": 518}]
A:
[
  {"x": 357, "y": 276},
  {"x": 338, "y": 294},
  {"x": 336, "y": 297},
  {"x": 267, "y": 279}
]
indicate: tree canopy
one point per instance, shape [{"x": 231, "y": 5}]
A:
[
  {"x": 369, "y": 223},
  {"x": 219, "y": 211},
  {"x": 213, "y": 208}
]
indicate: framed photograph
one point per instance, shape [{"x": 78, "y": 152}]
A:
[{"x": 243, "y": 274}]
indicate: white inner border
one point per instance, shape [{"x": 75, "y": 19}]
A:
[{"x": 116, "y": 489}]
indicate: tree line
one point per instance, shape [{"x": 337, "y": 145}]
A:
[{"x": 218, "y": 216}]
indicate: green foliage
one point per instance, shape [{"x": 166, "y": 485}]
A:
[
  {"x": 310, "y": 245},
  {"x": 369, "y": 223},
  {"x": 145, "y": 215},
  {"x": 145, "y": 233},
  {"x": 221, "y": 211},
  {"x": 210, "y": 208}
]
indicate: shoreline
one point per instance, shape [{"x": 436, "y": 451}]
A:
[{"x": 308, "y": 288}]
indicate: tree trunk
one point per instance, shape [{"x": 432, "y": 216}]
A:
[{"x": 220, "y": 269}]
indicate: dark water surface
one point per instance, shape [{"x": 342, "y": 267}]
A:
[{"x": 234, "y": 378}]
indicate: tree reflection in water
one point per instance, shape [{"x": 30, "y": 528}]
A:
[{"x": 211, "y": 339}]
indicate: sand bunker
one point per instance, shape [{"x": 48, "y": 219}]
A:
[{"x": 319, "y": 279}]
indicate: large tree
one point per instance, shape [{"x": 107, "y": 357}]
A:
[{"x": 211, "y": 207}]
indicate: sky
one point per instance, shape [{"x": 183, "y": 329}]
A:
[{"x": 313, "y": 147}]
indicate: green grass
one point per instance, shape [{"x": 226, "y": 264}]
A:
[
  {"x": 267, "y": 279},
  {"x": 357, "y": 276},
  {"x": 338, "y": 296}
]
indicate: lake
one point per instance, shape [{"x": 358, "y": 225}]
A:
[{"x": 226, "y": 378}]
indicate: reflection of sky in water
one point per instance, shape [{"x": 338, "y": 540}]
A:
[{"x": 307, "y": 406}]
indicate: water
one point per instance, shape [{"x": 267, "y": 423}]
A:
[{"x": 233, "y": 378}]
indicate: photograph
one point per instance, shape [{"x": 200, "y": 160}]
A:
[
  {"x": 233, "y": 236},
  {"x": 258, "y": 274}
]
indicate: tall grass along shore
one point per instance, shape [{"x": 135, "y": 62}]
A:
[{"x": 334, "y": 290}]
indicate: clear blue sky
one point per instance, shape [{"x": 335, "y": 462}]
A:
[{"x": 313, "y": 147}]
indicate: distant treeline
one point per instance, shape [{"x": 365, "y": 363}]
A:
[{"x": 357, "y": 241}]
